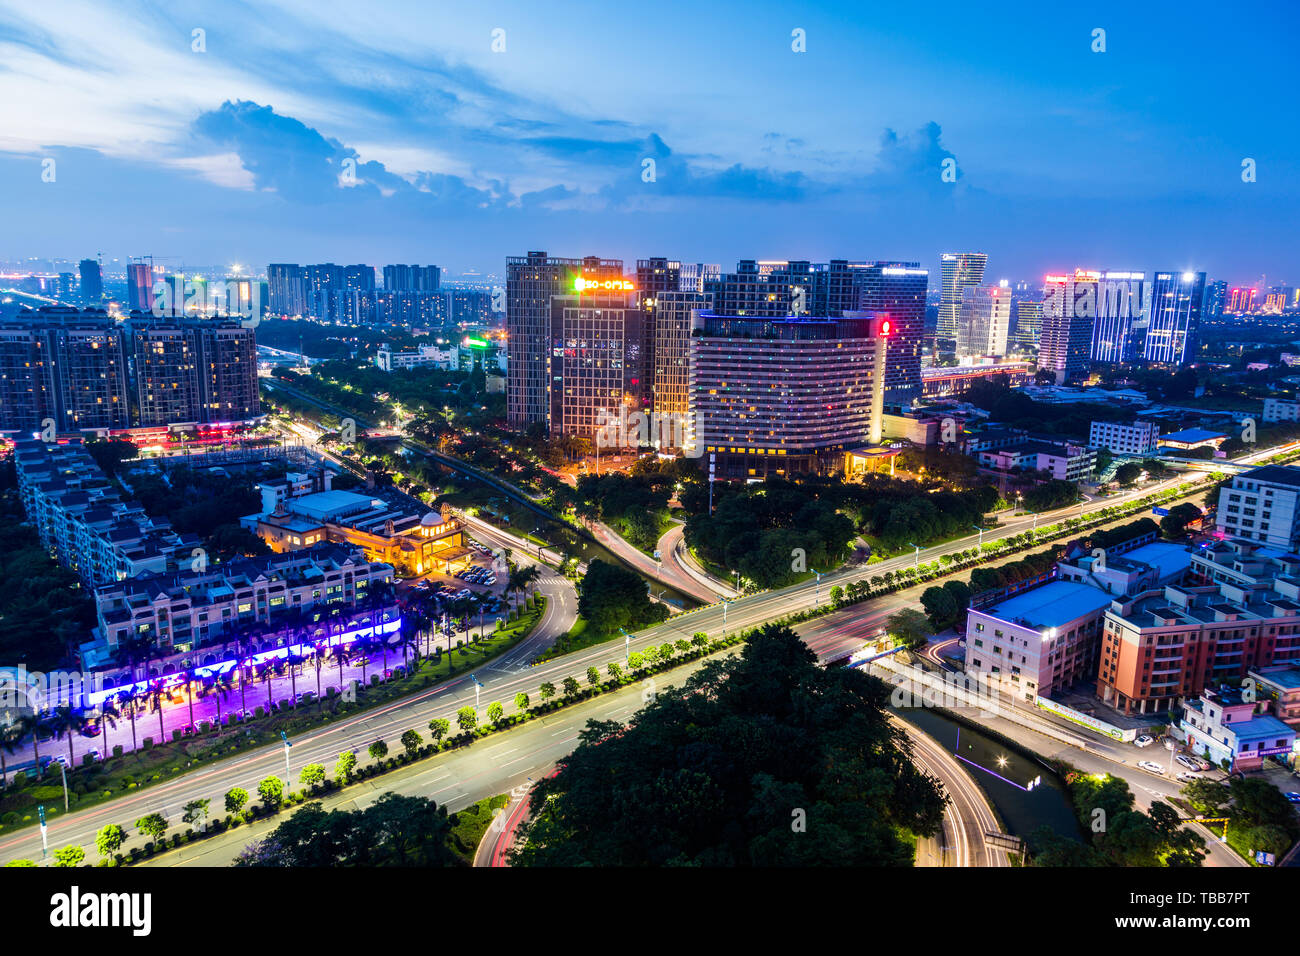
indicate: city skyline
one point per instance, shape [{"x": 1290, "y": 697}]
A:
[{"x": 439, "y": 149}]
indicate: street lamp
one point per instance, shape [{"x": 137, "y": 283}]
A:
[
  {"x": 816, "y": 592},
  {"x": 627, "y": 645},
  {"x": 980, "y": 529},
  {"x": 1020, "y": 498},
  {"x": 725, "y": 605},
  {"x": 916, "y": 558},
  {"x": 287, "y": 745}
]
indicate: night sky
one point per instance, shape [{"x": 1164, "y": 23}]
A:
[{"x": 380, "y": 132}]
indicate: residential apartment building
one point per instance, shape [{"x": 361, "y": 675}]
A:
[
  {"x": 1228, "y": 729},
  {"x": 82, "y": 520},
  {"x": 1239, "y": 610},
  {"x": 1261, "y": 505},
  {"x": 1140, "y": 438}
]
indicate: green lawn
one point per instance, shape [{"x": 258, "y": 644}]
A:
[{"x": 469, "y": 825}]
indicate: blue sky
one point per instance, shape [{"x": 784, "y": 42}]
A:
[{"x": 1129, "y": 158}]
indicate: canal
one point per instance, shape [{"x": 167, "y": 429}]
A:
[{"x": 1005, "y": 773}]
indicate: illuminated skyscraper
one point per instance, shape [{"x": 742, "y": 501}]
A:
[
  {"x": 957, "y": 271},
  {"x": 1069, "y": 304},
  {"x": 1121, "y": 311},
  {"x": 531, "y": 281},
  {"x": 1177, "y": 299},
  {"x": 92, "y": 282},
  {"x": 985, "y": 320}
]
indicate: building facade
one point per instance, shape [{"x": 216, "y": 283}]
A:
[
  {"x": 1261, "y": 505},
  {"x": 1140, "y": 438},
  {"x": 781, "y": 396},
  {"x": 1177, "y": 299},
  {"x": 957, "y": 271},
  {"x": 984, "y": 321}
]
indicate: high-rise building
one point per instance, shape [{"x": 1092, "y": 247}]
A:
[
  {"x": 66, "y": 281},
  {"x": 1121, "y": 315},
  {"x": 228, "y": 372},
  {"x": 24, "y": 377},
  {"x": 165, "y": 372},
  {"x": 471, "y": 307},
  {"x": 531, "y": 281},
  {"x": 1242, "y": 300},
  {"x": 675, "y": 316},
  {"x": 1069, "y": 312},
  {"x": 139, "y": 286},
  {"x": 92, "y": 282},
  {"x": 597, "y": 364},
  {"x": 957, "y": 270},
  {"x": 897, "y": 290},
  {"x": 1176, "y": 302},
  {"x": 693, "y": 275},
  {"x": 653, "y": 276},
  {"x": 779, "y": 396},
  {"x": 1216, "y": 299},
  {"x": 985, "y": 321},
  {"x": 400, "y": 278},
  {"x": 1028, "y": 312},
  {"x": 286, "y": 292}
]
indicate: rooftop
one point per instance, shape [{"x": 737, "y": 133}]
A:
[
  {"x": 1274, "y": 474},
  {"x": 1189, "y": 435},
  {"x": 1053, "y": 605}
]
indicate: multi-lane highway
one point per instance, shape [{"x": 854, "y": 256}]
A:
[{"x": 500, "y": 682}]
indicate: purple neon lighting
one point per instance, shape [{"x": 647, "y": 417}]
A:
[{"x": 171, "y": 680}]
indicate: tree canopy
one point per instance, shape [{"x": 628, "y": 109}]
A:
[{"x": 763, "y": 759}]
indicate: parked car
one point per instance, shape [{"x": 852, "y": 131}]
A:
[
  {"x": 62, "y": 759},
  {"x": 1191, "y": 763},
  {"x": 95, "y": 755},
  {"x": 1185, "y": 776},
  {"x": 1293, "y": 797},
  {"x": 1144, "y": 740},
  {"x": 1150, "y": 766}
]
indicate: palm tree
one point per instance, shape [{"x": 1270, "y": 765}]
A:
[
  {"x": 318, "y": 661},
  {"x": 292, "y": 661},
  {"x": 156, "y": 695},
  {"x": 108, "y": 714},
  {"x": 32, "y": 724},
  {"x": 66, "y": 720},
  {"x": 10, "y": 736},
  {"x": 127, "y": 702},
  {"x": 520, "y": 578},
  {"x": 220, "y": 687},
  {"x": 342, "y": 654}
]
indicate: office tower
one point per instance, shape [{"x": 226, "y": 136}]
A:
[
  {"x": 531, "y": 281},
  {"x": 92, "y": 282},
  {"x": 957, "y": 270},
  {"x": 693, "y": 275},
  {"x": 286, "y": 291},
  {"x": 400, "y": 278},
  {"x": 139, "y": 286},
  {"x": 165, "y": 372},
  {"x": 1176, "y": 302},
  {"x": 1242, "y": 300},
  {"x": 653, "y": 276},
  {"x": 675, "y": 317},
  {"x": 1069, "y": 311},
  {"x": 65, "y": 286},
  {"x": 984, "y": 322},
  {"x": 1029, "y": 322},
  {"x": 597, "y": 370},
  {"x": 24, "y": 377},
  {"x": 1277, "y": 299},
  {"x": 1216, "y": 299},
  {"x": 1121, "y": 315},
  {"x": 780, "y": 396},
  {"x": 897, "y": 290}
]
